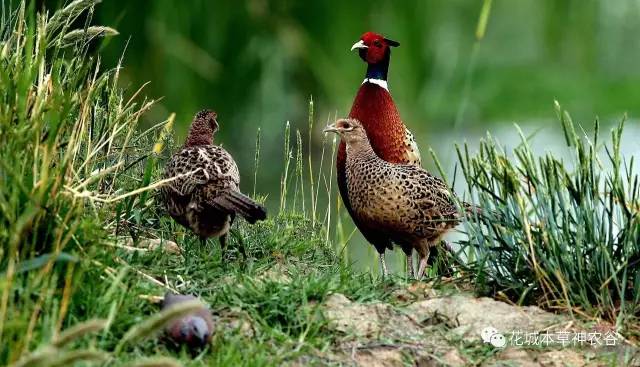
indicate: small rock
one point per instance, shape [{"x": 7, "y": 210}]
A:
[
  {"x": 472, "y": 315},
  {"x": 151, "y": 244},
  {"x": 368, "y": 320}
]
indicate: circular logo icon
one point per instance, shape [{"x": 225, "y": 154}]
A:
[
  {"x": 498, "y": 340},
  {"x": 487, "y": 333},
  {"x": 491, "y": 336}
]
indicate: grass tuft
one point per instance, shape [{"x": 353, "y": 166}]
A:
[{"x": 562, "y": 233}]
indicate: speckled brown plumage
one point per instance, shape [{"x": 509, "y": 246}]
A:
[
  {"x": 401, "y": 203},
  {"x": 205, "y": 193},
  {"x": 193, "y": 330}
]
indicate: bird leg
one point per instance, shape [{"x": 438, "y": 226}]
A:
[
  {"x": 223, "y": 244},
  {"x": 410, "y": 269},
  {"x": 424, "y": 257},
  {"x": 408, "y": 251},
  {"x": 235, "y": 233},
  {"x": 383, "y": 265}
]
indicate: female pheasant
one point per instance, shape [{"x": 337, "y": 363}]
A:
[
  {"x": 204, "y": 194},
  {"x": 403, "y": 203},
  {"x": 390, "y": 139}
]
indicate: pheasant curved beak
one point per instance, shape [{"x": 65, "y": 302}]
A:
[
  {"x": 358, "y": 45},
  {"x": 330, "y": 129}
]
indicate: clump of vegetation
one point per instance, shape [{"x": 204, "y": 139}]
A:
[
  {"x": 563, "y": 234},
  {"x": 77, "y": 180},
  {"x": 67, "y": 140}
]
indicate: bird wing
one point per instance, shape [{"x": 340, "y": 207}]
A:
[
  {"x": 432, "y": 200},
  {"x": 412, "y": 152},
  {"x": 407, "y": 201},
  {"x": 194, "y": 167}
]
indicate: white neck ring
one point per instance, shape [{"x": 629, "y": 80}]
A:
[{"x": 378, "y": 82}]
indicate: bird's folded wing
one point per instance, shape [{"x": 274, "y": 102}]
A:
[
  {"x": 196, "y": 166},
  {"x": 431, "y": 195},
  {"x": 412, "y": 152}
]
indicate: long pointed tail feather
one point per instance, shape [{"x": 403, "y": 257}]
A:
[{"x": 238, "y": 202}]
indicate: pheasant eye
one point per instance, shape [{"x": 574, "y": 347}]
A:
[
  {"x": 346, "y": 125},
  {"x": 377, "y": 43}
]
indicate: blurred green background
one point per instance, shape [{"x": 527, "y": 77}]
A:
[{"x": 257, "y": 62}]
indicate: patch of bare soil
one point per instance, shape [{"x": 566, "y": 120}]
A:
[{"x": 447, "y": 330}]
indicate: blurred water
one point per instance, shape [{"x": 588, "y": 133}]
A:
[{"x": 549, "y": 139}]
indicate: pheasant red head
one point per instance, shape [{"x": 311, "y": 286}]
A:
[
  {"x": 203, "y": 128},
  {"x": 374, "y": 48}
]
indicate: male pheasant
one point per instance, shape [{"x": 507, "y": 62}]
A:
[
  {"x": 204, "y": 194},
  {"x": 390, "y": 139},
  {"x": 403, "y": 203}
]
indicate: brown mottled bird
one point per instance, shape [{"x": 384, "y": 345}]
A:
[
  {"x": 205, "y": 194},
  {"x": 193, "y": 330},
  {"x": 403, "y": 202}
]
